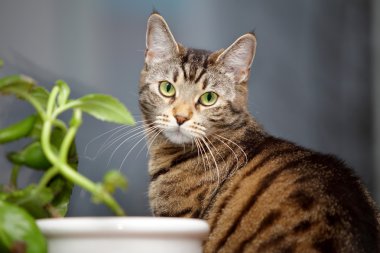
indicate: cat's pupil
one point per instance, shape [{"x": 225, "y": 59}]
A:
[
  {"x": 168, "y": 87},
  {"x": 209, "y": 96}
]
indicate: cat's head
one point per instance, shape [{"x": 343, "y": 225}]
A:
[{"x": 189, "y": 93}]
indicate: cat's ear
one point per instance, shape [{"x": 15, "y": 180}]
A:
[
  {"x": 160, "y": 43},
  {"x": 237, "y": 59}
]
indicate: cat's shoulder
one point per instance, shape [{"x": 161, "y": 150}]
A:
[{"x": 313, "y": 160}]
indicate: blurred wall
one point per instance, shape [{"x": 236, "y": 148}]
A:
[
  {"x": 311, "y": 80},
  {"x": 376, "y": 91}
]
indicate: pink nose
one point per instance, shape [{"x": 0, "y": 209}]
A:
[{"x": 181, "y": 119}]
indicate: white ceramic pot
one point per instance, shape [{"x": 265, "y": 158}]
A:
[{"x": 124, "y": 234}]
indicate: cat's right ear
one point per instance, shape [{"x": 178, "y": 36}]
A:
[{"x": 160, "y": 43}]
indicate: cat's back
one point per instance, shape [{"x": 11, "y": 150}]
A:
[{"x": 290, "y": 199}]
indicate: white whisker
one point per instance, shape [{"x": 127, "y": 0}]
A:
[
  {"x": 146, "y": 143},
  {"x": 110, "y": 140},
  {"x": 117, "y": 129},
  {"x": 149, "y": 132},
  {"x": 236, "y": 156},
  {"x": 197, "y": 132},
  {"x": 136, "y": 135},
  {"x": 218, "y": 153},
  {"x": 158, "y": 133},
  {"x": 246, "y": 158},
  {"x": 106, "y": 146},
  {"x": 203, "y": 154},
  {"x": 213, "y": 157}
]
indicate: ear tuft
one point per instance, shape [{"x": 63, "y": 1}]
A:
[
  {"x": 237, "y": 58},
  {"x": 155, "y": 11},
  {"x": 160, "y": 43}
]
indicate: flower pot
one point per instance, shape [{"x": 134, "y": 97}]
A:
[{"x": 124, "y": 234}]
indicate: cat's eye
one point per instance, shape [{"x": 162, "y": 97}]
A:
[
  {"x": 167, "y": 89},
  {"x": 209, "y": 98}
]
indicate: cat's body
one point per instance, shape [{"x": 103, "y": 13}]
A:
[{"x": 211, "y": 160}]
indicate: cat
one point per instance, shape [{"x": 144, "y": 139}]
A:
[{"x": 210, "y": 159}]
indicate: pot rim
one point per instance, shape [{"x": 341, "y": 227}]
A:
[{"x": 121, "y": 226}]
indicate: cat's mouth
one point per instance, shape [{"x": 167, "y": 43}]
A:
[{"x": 178, "y": 135}]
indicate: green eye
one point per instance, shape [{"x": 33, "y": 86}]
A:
[
  {"x": 208, "y": 98},
  {"x": 167, "y": 89}
]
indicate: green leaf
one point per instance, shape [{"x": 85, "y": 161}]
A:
[
  {"x": 32, "y": 200},
  {"x": 114, "y": 179},
  {"x": 64, "y": 92},
  {"x": 18, "y": 130},
  {"x": 9, "y": 84},
  {"x": 3, "y": 194},
  {"x": 104, "y": 107},
  {"x": 1, "y": 63},
  {"x": 32, "y": 156},
  {"x": 19, "y": 231},
  {"x": 23, "y": 86},
  {"x": 62, "y": 190}
]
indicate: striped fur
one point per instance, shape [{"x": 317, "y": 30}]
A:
[{"x": 257, "y": 192}]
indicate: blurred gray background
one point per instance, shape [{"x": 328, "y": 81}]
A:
[{"x": 314, "y": 78}]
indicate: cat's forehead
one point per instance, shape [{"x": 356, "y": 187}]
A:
[
  {"x": 186, "y": 65},
  {"x": 196, "y": 57}
]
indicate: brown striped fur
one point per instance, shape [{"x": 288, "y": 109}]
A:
[{"x": 257, "y": 192}]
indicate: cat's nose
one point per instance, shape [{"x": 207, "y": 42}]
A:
[{"x": 181, "y": 119}]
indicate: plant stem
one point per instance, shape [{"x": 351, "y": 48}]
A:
[
  {"x": 52, "y": 100},
  {"x": 49, "y": 174},
  {"x": 90, "y": 186},
  {"x": 14, "y": 175},
  {"x": 70, "y": 135},
  {"x": 60, "y": 124},
  {"x": 65, "y": 107},
  {"x": 70, "y": 174}
]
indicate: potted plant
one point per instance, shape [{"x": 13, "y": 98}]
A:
[{"x": 25, "y": 212}]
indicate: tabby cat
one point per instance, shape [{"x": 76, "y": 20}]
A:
[{"x": 210, "y": 159}]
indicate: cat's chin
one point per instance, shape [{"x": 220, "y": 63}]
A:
[{"x": 178, "y": 137}]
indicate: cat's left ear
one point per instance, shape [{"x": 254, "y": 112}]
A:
[
  {"x": 160, "y": 43},
  {"x": 237, "y": 59}
]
